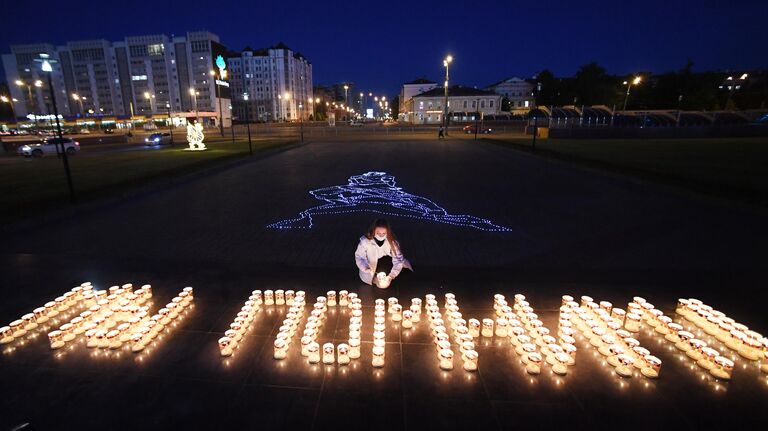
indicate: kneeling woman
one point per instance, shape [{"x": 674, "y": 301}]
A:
[{"x": 378, "y": 255}]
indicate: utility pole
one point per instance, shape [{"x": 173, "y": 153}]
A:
[{"x": 46, "y": 67}]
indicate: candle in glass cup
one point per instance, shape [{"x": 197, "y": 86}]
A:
[
  {"x": 55, "y": 338},
  {"x": 378, "y": 357},
  {"x": 487, "y": 328},
  {"x": 632, "y": 322},
  {"x": 328, "y": 353},
  {"x": 354, "y": 348},
  {"x": 407, "y": 319},
  {"x": 342, "y": 353},
  {"x": 624, "y": 367},
  {"x": 343, "y": 298},
  {"x": 382, "y": 280},
  {"x": 313, "y": 351},
  {"x": 269, "y": 297},
  {"x": 723, "y": 368},
  {"x": 651, "y": 367},
  {"x": 225, "y": 346}
]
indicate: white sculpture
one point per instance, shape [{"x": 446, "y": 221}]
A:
[{"x": 195, "y": 136}]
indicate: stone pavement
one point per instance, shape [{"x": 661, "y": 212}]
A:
[{"x": 572, "y": 231}]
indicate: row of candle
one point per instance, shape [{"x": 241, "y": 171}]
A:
[
  {"x": 558, "y": 352},
  {"x": 705, "y": 356},
  {"x": 523, "y": 327},
  {"x": 378, "y": 351},
  {"x": 603, "y": 326},
  {"x": 439, "y": 334},
  {"x": 736, "y": 336},
  {"x": 146, "y": 330},
  {"x": 460, "y": 331},
  {"x": 290, "y": 324},
  {"x": 106, "y": 310},
  {"x": 76, "y": 297}
]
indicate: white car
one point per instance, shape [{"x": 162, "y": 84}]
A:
[{"x": 50, "y": 146}]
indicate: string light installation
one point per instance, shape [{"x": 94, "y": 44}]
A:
[{"x": 376, "y": 192}]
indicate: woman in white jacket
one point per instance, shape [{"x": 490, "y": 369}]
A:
[{"x": 379, "y": 251}]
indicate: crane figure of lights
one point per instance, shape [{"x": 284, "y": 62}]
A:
[{"x": 376, "y": 192}]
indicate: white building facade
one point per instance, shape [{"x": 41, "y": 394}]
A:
[
  {"x": 272, "y": 84},
  {"x": 464, "y": 104},
  {"x": 517, "y": 91},
  {"x": 407, "y": 91}
]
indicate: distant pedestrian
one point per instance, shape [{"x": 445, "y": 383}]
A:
[{"x": 440, "y": 133}]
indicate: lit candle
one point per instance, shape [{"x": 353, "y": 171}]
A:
[
  {"x": 624, "y": 368},
  {"x": 723, "y": 368},
  {"x": 487, "y": 330},
  {"x": 343, "y": 298},
  {"x": 269, "y": 297},
  {"x": 342, "y": 353},
  {"x": 382, "y": 280},
  {"x": 533, "y": 363},
  {"x": 279, "y": 297},
  {"x": 407, "y": 319},
  {"x": 397, "y": 310},
  {"x": 55, "y": 337},
  {"x": 708, "y": 356},
  {"x": 764, "y": 366},
  {"x": 6, "y": 335},
  {"x": 695, "y": 348},
  {"x": 651, "y": 367},
  {"x": 469, "y": 358},
  {"x": 446, "y": 359},
  {"x": 632, "y": 323},
  {"x": 378, "y": 357},
  {"x": 328, "y": 353},
  {"x": 354, "y": 348},
  {"x": 501, "y": 327},
  {"x": 68, "y": 332},
  {"x": 17, "y": 328},
  {"x": 313, "y": 351},
  {"x": 474, "y": 327},
  {"x": 225, "y": 346}
]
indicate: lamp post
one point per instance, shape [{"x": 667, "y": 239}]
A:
[
  {"x": 170, "y": 120},
  {"x": 48, "y": 69},
  {"x": 346, "y": 100},
  {"x": 194, "y": 94},
  {"x": 79, "y": 101},
  {"x": 301, "y": 122},
  {"x": 9, "y": 101},
  {"x": 248, "y": 122},
  {"x": 629, "y": 85},
  {"x": 446, "y": 63}
]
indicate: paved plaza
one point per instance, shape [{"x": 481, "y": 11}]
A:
[{"x": 473, "y": 218}]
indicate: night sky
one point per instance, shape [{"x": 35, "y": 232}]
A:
[{"x": 379, "y": 45}]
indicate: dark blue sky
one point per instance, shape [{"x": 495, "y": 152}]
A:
[{"x": 379, "y": 45}]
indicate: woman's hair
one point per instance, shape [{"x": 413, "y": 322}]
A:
[{"x": 380, "y": 222}]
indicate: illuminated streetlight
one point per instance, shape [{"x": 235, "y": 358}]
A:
[
  {"x": 194, "y": 95},
  {"x": 9, "y": 101},
  {"x": 629, "y": 85},
  {"x": 446, "y": 63}
]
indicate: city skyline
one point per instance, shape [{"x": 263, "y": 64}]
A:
[{"x": 380, "y": 53}]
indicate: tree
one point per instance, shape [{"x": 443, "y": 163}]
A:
[
  {"x": 395, "y": 106},
  {"x": 593, "y": 86},
  {"x": 505, "y": 105}
]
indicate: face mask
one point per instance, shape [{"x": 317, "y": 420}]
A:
[{"x": 381, "y": 237}]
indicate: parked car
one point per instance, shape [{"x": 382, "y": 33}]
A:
[
  {"x": 355, "y": 123},
  {"x": 109, "y": 131},
  {"x": 471, "y": 129},
  {"x": 49, "y": 146},
  {"x": 84, "y": 131},
  {"x": 158, "y": 139}
]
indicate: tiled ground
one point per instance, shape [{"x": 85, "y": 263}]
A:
[{"x": 575, "y": 232}]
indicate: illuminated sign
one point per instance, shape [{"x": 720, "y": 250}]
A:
[
  {"x": 376, "y": 192},
  {"x": 43, "y": 117}
]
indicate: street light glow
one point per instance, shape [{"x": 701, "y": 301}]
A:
[
  {"x": 637, "y": 80},
  {"x": 191, "y": 91},
  {"x": 4, "y": 99},
  {"x": 46, "y": 67},
  {"x": 38, "y": 83},
  {"x": 19, "y": 82}
]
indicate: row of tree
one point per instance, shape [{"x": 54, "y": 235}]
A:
[{"x": 682, "y": 89}]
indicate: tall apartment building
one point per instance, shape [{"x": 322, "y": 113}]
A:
[
  {"x": 271, "y": 84},
  {"x": 139, "y": 75}
]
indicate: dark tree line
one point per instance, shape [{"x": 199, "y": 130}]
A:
[{"x": 684, "y": 89}]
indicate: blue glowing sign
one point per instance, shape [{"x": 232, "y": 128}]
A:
[{"x": 375, "y": 192}]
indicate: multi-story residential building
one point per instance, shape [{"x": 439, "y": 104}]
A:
[
  {"x": 464, "y": 104},
  {"x": 517, "y": 91},
  {"x": 140, "y": 75},
  {"x": 271, "y": 84}
]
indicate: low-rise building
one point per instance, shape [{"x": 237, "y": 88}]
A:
[
  {"x": 517, "y": 91},
  {"x": 410, "y": 89},
  {"x": 464, "y": 104}
]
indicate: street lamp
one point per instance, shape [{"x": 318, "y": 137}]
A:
[
  {"x": 346, "y": 101},
  {"x": 170, "y": 120},
  {"x": 80, "y": 101},
  {"x": 446, "y": 63},
  {"x": 194, "y": 94},
  {"x": 48, "y": 69},
  {"x": 248, "y": 121},
  {"x": 629, "y": 85},
  {"x": 10, "y": 102}
]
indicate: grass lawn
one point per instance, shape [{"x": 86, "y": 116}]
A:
[
  {"x": 735, "y": 168},
  {"x": 28, "y": 186}
]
